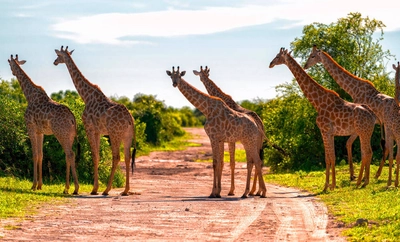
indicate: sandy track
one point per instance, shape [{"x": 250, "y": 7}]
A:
[{"x": 174, "y": 206}]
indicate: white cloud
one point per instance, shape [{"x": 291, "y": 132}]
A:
[{"x": 111, "y": 28}]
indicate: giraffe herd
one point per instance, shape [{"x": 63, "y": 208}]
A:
[{"x": 226, "y": 121}]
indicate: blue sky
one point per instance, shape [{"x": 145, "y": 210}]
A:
[{"x": 125, "y": 47}]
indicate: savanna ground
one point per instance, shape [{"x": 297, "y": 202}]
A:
[{"x": 169, "y": 202}]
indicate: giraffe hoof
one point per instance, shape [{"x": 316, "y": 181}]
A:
[
  {"x": 75, "y": 193},
  {"x": 244, "y": 196},
  {"x": 124, "y": 194},
  {"x": 94, "y": 193},
  {"x": 105, "y": 194},
  {"x": 231, "y": 194}
]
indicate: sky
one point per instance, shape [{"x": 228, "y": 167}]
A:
[{"x": 125, "y": 47}]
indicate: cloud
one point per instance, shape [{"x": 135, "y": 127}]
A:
[{"x": 112, "y": 28}]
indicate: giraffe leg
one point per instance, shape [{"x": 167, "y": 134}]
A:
[
  {"x": 349, "y": 145},
  {"x": 249, "y": 169},
  {"x": 385, "y": 153},
  {"x": 254, "y": 187},
  {"x": 115, "y": 144},
  {"x": 258, "y": 172},
  {"x": 216, "y": 149},
  {"x": 40, "y": 160},
  {"x": 127, "y": 157},
  {"x": 329, "y": 160},
  {"x": 35, "y": 155},
  {"x": 221, "y": 166},
  {"x": 232, "y": 165},
  {"x": 70, "y": 160},
  {"x": 366, "y": 156},
  {"x": 389, "y": 143},
  {"x": 396, "y": 183},
  {"x": 94, "y": 141}
]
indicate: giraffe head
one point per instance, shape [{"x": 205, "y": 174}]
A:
[
  {"x": 280, "y": 58},
  {"x": 14, "y": 63},
  {"x": 176, "y": 76},
  {"x": 314, "y": 58},
  {"x": 397, "y": 69},
  {"x": 61, "y": 54},
  {"x": 203, "y": 73}
]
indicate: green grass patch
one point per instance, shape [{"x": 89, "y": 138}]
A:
[
  {"x": 178, "y": 143},
  {"x": 240, "y": 156},
  {"x": 376, "y": 203},
  {"x": 17, "y": 199}
]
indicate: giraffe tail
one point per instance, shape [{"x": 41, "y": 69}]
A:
[{"x": 133, "y": 165}]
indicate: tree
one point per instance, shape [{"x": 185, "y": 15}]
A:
[{"x": 350, "y": 41}]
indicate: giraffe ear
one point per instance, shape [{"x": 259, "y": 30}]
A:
[
  {"x": 21, "y": 62},
  {"x": 196, "y": 72},
  {"x": 70, "y": 53},
  {"x": 183, "y": 73},
  {"x": 169, "y": 73},
  {"x": 394, "y": 67}
]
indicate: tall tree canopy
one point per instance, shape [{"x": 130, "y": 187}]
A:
[{"x": 355, "y": 43}]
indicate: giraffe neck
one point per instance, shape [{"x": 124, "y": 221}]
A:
[
  {"x": 360, "y": 90},
  {"x": 33, "y": 93},
  {"x": 313, "y": 91},
  {"x": 397, "y": 87},
  {"x": 200, "y": 100},
  {"x": 215, "y": 91},
  {"x": 85, "y": 88}
]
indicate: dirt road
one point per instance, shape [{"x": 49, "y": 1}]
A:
[{"x": 173, "y": 205}]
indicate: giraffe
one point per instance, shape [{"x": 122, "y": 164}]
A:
[
  {"x": 224, "y": 125},
  {"x": 44, "y": 116},
  {"x": 363, "y": 91},
  {"x": 215, "y": 91},
  {"x": 336, "y": 117},
  {"x": 397, "y": 83},
  {"x": 102, "y": 116}
]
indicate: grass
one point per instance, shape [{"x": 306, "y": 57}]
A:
[
  {"x": 17, "y": 199},
  {"x": 376, "y": 203}
]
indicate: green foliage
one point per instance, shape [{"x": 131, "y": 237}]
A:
[
  {"x": 161, "y": 124},
  {"x": 290, "y": 123},
  {"x": 15, "y": 154},
  {"x": 350, "y": 41},
  {"x": 375, "y": 203}
]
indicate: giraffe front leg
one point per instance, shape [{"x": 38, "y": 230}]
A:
[
  {"x": 94, "y": 141},
  {"x": 35, "y": 155},
  {"x": 216, "y": 167},
  {"x": 366, "y": 157},
  {"x": 329, "y": 146},
  {"x": 232, "y": 166}
]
